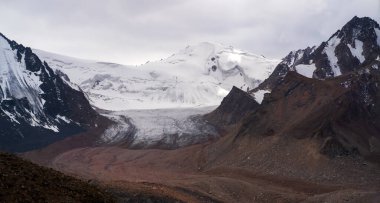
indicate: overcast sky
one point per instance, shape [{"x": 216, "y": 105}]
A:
[{"x": 135, "y": 31}]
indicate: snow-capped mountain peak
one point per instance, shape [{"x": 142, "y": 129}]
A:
[
  {"x": 208, "y": 57},
  {"x": 361, "y": 29},
  {"x": 19, "y": 80},
  {"x": 36, "y": 106},
  {"x": 198, "y": 75},
  {"x": 355, "y": 45}
]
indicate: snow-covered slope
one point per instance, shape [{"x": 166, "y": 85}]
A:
[
  {"x": 17, "y": 82},
  {"x": 36, "y": 106},
  {"x": 196, "y": 76},
  {"x": 355, "y": 45}
]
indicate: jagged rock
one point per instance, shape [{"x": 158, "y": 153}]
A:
[
  {"x": 233, "y": 108},
  {"x": 37, "y": 107},
  {"x": 354, "y": 46}
]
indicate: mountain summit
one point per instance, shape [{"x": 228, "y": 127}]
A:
[
  {"x": 198, "y": 75},
  {"x": 37, "y": 107},
  {"x": 355, "y": 45}
]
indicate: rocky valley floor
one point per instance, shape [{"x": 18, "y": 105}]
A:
[{"x": 250, "y": 169}]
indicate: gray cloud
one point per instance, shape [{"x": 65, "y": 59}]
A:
[{"x": 134, "y": 31}]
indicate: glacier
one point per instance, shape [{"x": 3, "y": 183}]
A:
[{"x": 197, "y": 76}]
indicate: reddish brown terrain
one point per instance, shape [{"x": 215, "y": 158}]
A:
[
  {"x": 309, "y": 141},
  {"x": 22, "y": 181}
]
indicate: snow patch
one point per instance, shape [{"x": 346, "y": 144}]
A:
[
  {"x": 63, "y": 118},
  {"x": 330, "y": 52},
  {"x": 358, "y": 50},
  {"x": 259, "y": 95},
  {"x": 11, "y": 116},
  {"x": 51, "y": 127},
  {"x": 306, "y": 70}
]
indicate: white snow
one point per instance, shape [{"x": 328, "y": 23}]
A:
[
  {"x": 51, "y": 127},
  {"x": 63, "y": 118},
  {"x": 378, "y": 35},
  {"x": 11, "y": 116},
  {"x": 185, "y": 79},
  {"x": 222, "y": 92},
  {"x": 306, "y": 70},
  {"x": 330, "y": 52},
  {"x": 259, "y": 95},
  {"x": 17, "y": 82},
  {"x": 358, "y": 50}
]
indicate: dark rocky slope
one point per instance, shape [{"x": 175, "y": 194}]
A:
[
  {"x": 22, "y": 181},
  {"x": 342, "y": 114},
  {"x": 355, "y": 45},
  {"x": 233, "y": 108},
  {"x": 37, "y": 107}
]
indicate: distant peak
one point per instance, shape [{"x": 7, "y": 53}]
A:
[
  {"x": 360, "y": 24},
  {"x": 360, "y": 28}
]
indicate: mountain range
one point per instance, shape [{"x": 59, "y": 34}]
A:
[
  {"x": 355, "y": 45},
  {"x": 302, "y": 129},
  {"x": 197, "y": 76}
]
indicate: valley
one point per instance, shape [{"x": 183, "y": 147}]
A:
[{"x": 211, "y": 123}]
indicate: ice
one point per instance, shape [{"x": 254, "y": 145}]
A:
[
  {"x": 148, "y": 126},
  {"x": 119, "y": 131}
]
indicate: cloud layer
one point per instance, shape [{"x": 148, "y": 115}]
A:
[{"x": 134, "y": 31}]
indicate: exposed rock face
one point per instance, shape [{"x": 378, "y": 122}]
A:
[
  {"x": 309, "y": 100},
  {"x": 233, "y": 108},
  {"x": 342, "y": 114},
  {"x": 37, "y": 107},
  {"x": 356, "y": 45}
]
